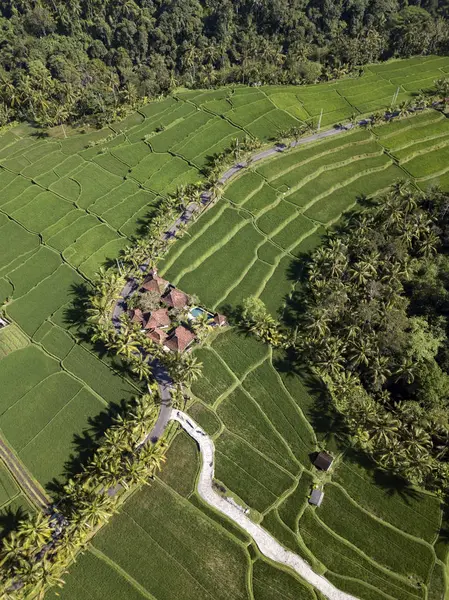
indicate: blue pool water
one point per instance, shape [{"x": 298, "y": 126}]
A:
[{"x": 196, "y": 311}]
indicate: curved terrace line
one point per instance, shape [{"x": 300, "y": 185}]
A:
[
  {"x": 266, "y": 543},
  {"x": 159, "y": 372}
]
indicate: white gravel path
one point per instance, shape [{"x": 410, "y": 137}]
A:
[{"x": 266, "y": 543}]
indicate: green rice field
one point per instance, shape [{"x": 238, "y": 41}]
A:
[{"x": 70, "y": 203}]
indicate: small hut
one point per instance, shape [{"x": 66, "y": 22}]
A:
[
  {"x": 323, "y": 461},
  {"x": 316, "y": 497}
]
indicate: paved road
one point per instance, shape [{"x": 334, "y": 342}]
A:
[
  {"x": 33, "y": 491},
  {"x": 160, "y": 373},
  {"x": 266, "y": 543}
]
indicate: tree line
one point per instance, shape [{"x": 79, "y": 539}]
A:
[
  {"x": 90, "y": 61},
  {"x": 36, "y": 555},
  {"x": 375, "y": 329}
]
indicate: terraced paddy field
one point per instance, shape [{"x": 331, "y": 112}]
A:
[
  {"x": 68, "y": 204},
  {"x": 13, "y": 503}
]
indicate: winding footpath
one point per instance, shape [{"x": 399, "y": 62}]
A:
[
  {"x": 266, "y": 543},
  {"x": 159, "y": 372}
]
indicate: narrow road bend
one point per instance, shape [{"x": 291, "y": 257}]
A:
[{"x": 266, "y": 543}]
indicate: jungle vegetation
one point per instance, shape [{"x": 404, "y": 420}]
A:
[
  {"x": 375, "y": 328},
  {"x": 86, "y": 61}
]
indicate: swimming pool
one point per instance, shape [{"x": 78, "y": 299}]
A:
[{"x": 196, "y": 311}]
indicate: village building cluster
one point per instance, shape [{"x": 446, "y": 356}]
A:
[{"x": 162, "y": 324}]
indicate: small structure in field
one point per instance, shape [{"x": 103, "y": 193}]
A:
[
  {"x": 3, "y": 322},
  {"x": 180, "y": 340},
  {"x": 323, "y": 461},
  {"x": 316, "y": 497}
]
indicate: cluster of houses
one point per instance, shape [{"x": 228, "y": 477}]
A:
[{"x": 158, "y": 323}]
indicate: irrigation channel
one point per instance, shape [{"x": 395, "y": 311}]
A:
[{"x": 266, "y": 543}]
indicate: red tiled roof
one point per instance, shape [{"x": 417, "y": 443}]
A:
[
  {"x": 154, "y": 283},
  {"x": 220, "y": 319},
  {"x": 176, "y": 298},
  {"x": 137, "y": 316},
  {"x": 158, "y": 318},
  {"x": 157, "y": 335},
  {"x": 181, "y": 338},
  {"x": 151, "y": 286}
]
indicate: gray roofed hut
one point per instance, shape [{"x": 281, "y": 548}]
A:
[
  {"x": 323, "y": 461},
  {"x": 316, "y": 497}
]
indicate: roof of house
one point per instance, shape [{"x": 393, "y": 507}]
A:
[
  {"x": 137, "y": 316},
  {"x": 316, "y": 497},
  {"x": 157, "y": 335},
  {"x": 180, "y": 339},
  {"x": 220, "y": 319},
  {"x": 176, "y": 298},
  {"x": 323, "y": 461},
  {"x": 154, "y": 283},
  {"x": 158, "y": 318}
]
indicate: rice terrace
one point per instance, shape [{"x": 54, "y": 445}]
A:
[{"x": 94, "y": 284}]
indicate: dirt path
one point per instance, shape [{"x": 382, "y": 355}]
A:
[
  {"x": 266, "y": 543},
  {"x": 33, "y": 491}
]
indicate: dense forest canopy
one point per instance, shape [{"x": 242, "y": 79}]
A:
[
  {"x": 64, "y": 60},
  {"x": 376, "y": 328}
]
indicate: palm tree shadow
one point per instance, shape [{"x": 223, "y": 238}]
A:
[
  {"x": 391, "y": 483},
  {"x": 75, "y": 314},
  {"x": 85, "y": 445},
  {"x": 10, "y": 518}
]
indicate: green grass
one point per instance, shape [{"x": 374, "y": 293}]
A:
[
  {"x": 92, "y": 577},
  {"x": 8, "y": 487},
  {"x": 34, "y": 410},
  {"x": 216, "y": 378},
  {"x": 182, "y": 465},
  {"x": 41, "y": 265},
  {"x": 219, "y": 273},
  {"x": 240, "y": 190},
  {"x": 205, "y": 417},
  {"x": 56, "y": 445},
  {"x": 347, "y": 561},
  {"x": 270, "y": 583},
  {"x": 247, "y": 473},
  {"x": 239, "y": 352},
  {"x": 390, "y": 499},
  {"x": 387, "y": 546},
  {"x": 291, "y": 508},
  {"x": 57, "y": 342},
  {"x": 242, "y": 416},
  {"x": 11, "y": 339},
  {"x": 251, "y": 284},
  {"x": 21, "y": 371},
  {"x": 15, "y": 242},
  {"x": 97, "y": 375},
  {"x": 171, "y": 549},
  {"x": 263, "y": 386},
  {"x": 44, "y": 299}
]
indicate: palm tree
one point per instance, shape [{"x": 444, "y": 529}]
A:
[
  {"x": 384, "y": 429},
  {"x": 36, "y": 529},
  {"x": 140, "y": 367},
  {"x": 96, "y": 509},
  {"x": 190, "y": 369}
]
